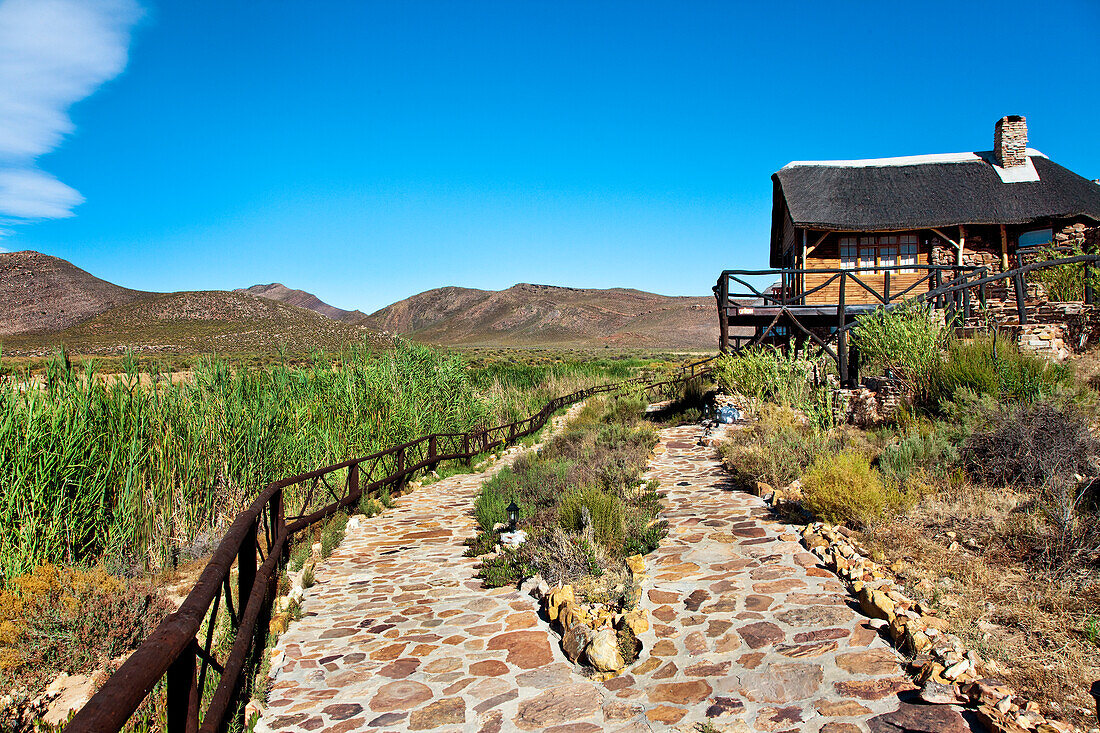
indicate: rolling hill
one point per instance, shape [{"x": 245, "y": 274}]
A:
[
  {"x": 52, "y": 301},
  {"x": 546, "y": 315},
  {"x": 302, "y": 299},
  {"x": 44, "y": 293}
]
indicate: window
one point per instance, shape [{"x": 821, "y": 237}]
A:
[
  {"x": 1035, "y": 238},
  {"x": 880, "y": 252},
  {"x": 848, "y": 252},
  {"x": 907, "y": 249}
]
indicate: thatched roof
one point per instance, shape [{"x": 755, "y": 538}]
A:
[{"x": 927, "y": 191}]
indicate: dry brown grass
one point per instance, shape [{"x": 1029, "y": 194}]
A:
[{"x": 1031, "y": 623}]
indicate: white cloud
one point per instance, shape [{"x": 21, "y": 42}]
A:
[{"x": 52, "y": 53}]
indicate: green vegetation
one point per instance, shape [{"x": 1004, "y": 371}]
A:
[
  {"x": 71, "y": 620},
  {"x": 581, "y": 499},
  {"x": 905, "y": 342},
  {"x": 136, "y": 467},
  {"x": 768, "y": 375},
  {"x": 843, "y": 488}
]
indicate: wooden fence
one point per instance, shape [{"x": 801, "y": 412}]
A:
[{"x": 258, "y": 542}]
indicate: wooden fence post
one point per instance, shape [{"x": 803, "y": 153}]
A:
[
  {"x": 723, "y": 315},
  {"x": 246, "y": 569},
  {"x": 1021, "y": 307},
  {"x": 182, "y": 707},
  {"x": 278, "y": 522},
  {"x": 433, "y": 451}
]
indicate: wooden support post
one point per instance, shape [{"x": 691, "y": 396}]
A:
[
  {"x": 182, "y": 707},
  {"x": 853, "y": 364},
  {"x": 1004, "y": 249},
  {"x": 723, "y": 315},
  {"x": 1088, "y": 282},
  {"x": 886, "y": 287},
  {"x": 981, "y": 295},
  {"x": 433, "y": 451},
  {"x": 842, "y": 356},
  {"x": 842, "y": 335},
  {"x": 353, "y": 479},
  {"x": 246, "y": 569},
  {"x": 278, "y": 522},
  {"x": 466, "y": 448},
  {"x": 400, "y": 468},
  {"x": 1021, "y": 291},
  {"x": 962, "y": 245},
  {"x": 966, "y": 304}
]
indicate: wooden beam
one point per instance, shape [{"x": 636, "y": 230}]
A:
[
  {"x": 814, "y": 246},
  {"x": 954, "y": 244},
  {"x": 962, "y": 245},
  {"x": 1004, "y": 249}
]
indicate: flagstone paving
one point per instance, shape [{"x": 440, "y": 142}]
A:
[{"x": 747, "y": 629}]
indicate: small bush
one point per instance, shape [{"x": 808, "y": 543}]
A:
[
  {"x": 999, "y": 368},
  {"x": 386, "y": 498},
  {"x": 1030, "y": 445},
  {"x": 333, "y": 533},
  {"x": 591, "y": 507},
  {"x": 299, "y": 554},
  {"x": 907, "y": 341},
  {"x": 71, "y": 620},
  {"x": 844, "y": 488},
  {"x": 767, "y": 374},
  {"x": 775, "y": 450},
  {"x": 369, "y": 506}
]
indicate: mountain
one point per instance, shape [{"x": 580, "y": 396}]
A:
[
  {"x": 44, "y": 293},
  {"x": 302, "y": 299},
  {"x": 49, "y": 301},
  {"x": 546, "y": 315},
  {"x": 195, "y": 322}
]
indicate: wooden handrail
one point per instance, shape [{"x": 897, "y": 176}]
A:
[{"x": 173, "y": 643}]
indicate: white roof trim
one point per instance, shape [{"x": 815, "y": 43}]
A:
[{"x": 910, "y": 160}]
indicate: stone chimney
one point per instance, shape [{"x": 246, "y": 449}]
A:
[{"x": 1010, "y": 141}]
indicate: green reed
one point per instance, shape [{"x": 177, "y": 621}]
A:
[{"x": 128, "y": 467}]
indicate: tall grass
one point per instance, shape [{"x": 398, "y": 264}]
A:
[
  {"x": 129, "y": 468},
  {"x": 768, "y": 374}
]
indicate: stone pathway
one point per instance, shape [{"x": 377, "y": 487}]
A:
[{"x": 746, "y": 629}]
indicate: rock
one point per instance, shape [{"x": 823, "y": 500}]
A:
[
  {"x": 637, "y": 621},
  {"x": 762, "y": 489},
  {"x": 957, "y": 670},
  {"x": 570, "y": 614},
  {"x": 574, "y": 641},
  {"x": 876, "y": 604},
  {"x": 603, "y": 651},
  {"x": 526, "y": 649},
  {"x": 449, "y": 711},
  {"x": 910, "y": 718},
  {"x": 535, "y": 586},
  {"x": 938, "y": 693},
  {"x": 558, "y": 597},
  {"x": 558, "y": 705},
  {"x": 513, "y": 539},
  {"x": 279, "y": 623},
  {"x": 636, "y": 563}
]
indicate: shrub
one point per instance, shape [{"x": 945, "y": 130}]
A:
[
  {"x": 844, "y": 488},
  {"x": 71, "y": 620},
  {"x": 589, "y": 506},
  {"x": 907, "y": 341},
  {"x": 1030, "y": 445},
  {"x": 369, "y": 506},
  {"x": 299, "y": 554},
  {"x": 923, "y": 448},
  {"x": 775, "y": 450},
  {"x": 767, "y": 374},
  {"x": 332, "y": 534},
  {"x": 998, "y": 368}
]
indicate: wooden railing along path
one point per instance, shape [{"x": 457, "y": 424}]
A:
[{"x": 258, "y": 542}]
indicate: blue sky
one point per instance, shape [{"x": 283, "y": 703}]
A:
[{"x": 366, "y": 151}]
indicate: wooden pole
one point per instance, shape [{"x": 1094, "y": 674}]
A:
[
  {"x": 182, "y": 706},
  {"x": 842, "y": 336},
  {"x": 962, "y": 245},
  {"x": 1004, "y": 249},
  {"x": 723, "y": 315}
]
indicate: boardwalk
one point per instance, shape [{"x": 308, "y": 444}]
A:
[{"x": 746, "y": 630}]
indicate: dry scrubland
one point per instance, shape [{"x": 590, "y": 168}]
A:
[
  {"x": 981, "y": 495},
  {"x": 112, "y": 478}
]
